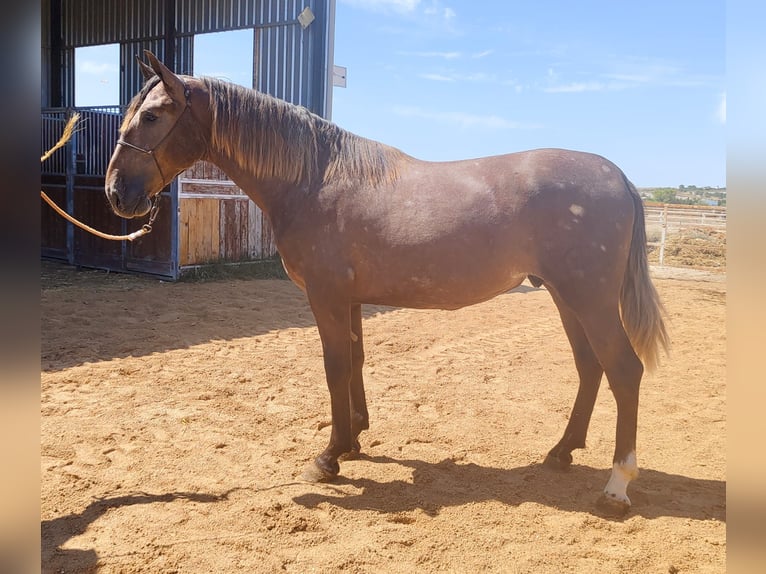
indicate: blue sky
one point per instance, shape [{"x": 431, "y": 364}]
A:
[{"x": 641, "y": 83}]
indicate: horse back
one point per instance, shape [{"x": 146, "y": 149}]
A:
[{"x": 449, "y": 234}]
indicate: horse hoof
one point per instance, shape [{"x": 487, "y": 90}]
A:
[
  {"x": 612, "y": 506},
  {"x": 315, "y": 473},
  {"x": 558, "y": 462},
  {"x": 353, "y": 454}
]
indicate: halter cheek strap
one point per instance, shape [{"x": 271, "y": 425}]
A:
[
  {"x": 147, "y": 152},
  {"x": 150, "y": 151}
]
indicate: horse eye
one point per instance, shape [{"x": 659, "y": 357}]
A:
[{"x": 149, "y": 116}]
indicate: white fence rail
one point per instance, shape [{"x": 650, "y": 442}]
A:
[
  {"x": 674, "y": 218},
  {"x": 677, "y": 217}
]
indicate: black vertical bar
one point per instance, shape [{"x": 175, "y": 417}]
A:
[
  {"x": 170, "y": 34},
  {"x": 55, "y": 91},
  {"x": 71, "y": 165},
  {"x": 175, "y": 216}
]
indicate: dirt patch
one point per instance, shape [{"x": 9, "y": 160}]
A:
[{"x": 177, "y": 416}]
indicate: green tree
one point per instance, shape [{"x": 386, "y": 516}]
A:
[{"x": 664, "y": 195}]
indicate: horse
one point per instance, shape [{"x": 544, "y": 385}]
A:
[{"x": 357, "y": 222}]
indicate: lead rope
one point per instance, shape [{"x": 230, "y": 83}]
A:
[{"x": 146, "y": 228}]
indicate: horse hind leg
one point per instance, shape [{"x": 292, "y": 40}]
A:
[
  {"x": 590, "y": 373},
  {"x": 624, "y": 370}
]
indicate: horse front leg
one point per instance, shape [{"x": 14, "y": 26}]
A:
[
  {"x": 360, "y": 419},
  {"x": 334, "y": 324}
]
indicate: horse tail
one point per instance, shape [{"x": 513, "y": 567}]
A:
[{"x": 640, "y": 306}]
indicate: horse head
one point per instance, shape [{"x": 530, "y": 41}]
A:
[{"x": 160, "y": 137}]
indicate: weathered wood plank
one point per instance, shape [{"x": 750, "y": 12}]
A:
[
  {"x": 203, "y": 170},
  {"x": 213, "y": 217},
  {"x": 183, "y": 233},
  {"x": 243, "y": 233},
  {"x": 254, "y": 231},
  {"x": 269, "y": 246},
  {"x": 234, "y": 225},
  {"x": 244, "y": 223},
  {"x": 199, "y": 228}
]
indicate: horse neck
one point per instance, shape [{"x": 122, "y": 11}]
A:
[
  {"x": 267, "y": 193},
  {"x": 269, "y": 151}
]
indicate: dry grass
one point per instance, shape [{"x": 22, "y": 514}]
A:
[{"x": 696, "y": 247}]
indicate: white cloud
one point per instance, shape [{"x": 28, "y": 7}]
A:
[
  {"x": 96, "y": 68},
  {"x": 721, "y": 110},
  {"x": 458, "y": 77},
  {"x": 437, "y": 77},
  {"x": 634, "y": 72},
  {"x": 402, "y": 6},
  {"x": 436, "y": 9},
  {"x": 448, "y": 55},
  {"x": 429, "y": 14},
  {"x": 444, "y": 55},
  {"x": 462, "y": 120},
  {"x": 631, "y": 78},
  {"x": 576, "y": 87},
  {"x": 615, "y": 82},
  {"x": 484, "y": 54},
  {"x": 626, "y": 73}
]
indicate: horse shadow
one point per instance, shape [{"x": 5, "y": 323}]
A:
[
  {"x": 56, "y": 532},
  {"x": 449, "y": 483},
  {"x": 180, "y": 314}
]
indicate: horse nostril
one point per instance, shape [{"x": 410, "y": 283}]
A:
[{"x": 113, "y": 197}]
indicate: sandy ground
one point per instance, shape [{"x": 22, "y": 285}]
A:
[{"x": 177, "y": 416}]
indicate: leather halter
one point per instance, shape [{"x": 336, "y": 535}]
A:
[{"x": 150, "y": 151}]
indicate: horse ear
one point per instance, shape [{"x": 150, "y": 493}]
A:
[
  {"x": 146, "y": 71},
  {"x": 173, "y": 84}
]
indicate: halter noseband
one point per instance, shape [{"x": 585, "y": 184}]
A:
[{"x": 150, "y": 151}]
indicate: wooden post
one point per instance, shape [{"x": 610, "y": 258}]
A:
[{"x": 664, "y": 233}]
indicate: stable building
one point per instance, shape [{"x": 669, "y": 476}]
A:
[{"x": 204, "y": 217}]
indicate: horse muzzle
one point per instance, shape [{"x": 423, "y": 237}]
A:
[{"x": 127, "y": 205}]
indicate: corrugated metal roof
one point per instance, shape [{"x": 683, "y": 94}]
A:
[
  {"x": 291, "y": 62},
  {"x": 93, "y": 22}
]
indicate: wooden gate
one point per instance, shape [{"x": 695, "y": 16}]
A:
[
  {"x": 218, "y": 223},
  {"x": 204, "y": 217},
  {"x": 74, "y": 178}
]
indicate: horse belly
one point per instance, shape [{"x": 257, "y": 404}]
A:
[{"x": 436, "y": 282}]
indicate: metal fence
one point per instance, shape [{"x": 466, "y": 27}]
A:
[
  {"x": 93, "y": 141},
  {"x": 53, "y": 122}
]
